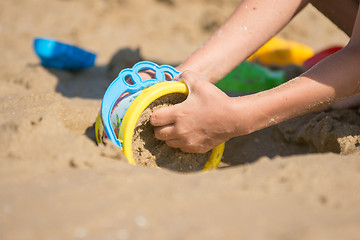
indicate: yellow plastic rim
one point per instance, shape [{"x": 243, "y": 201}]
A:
[{"x": 141, "y": 103}]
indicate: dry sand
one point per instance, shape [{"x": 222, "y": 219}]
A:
[{"x": 297, "y": 180}]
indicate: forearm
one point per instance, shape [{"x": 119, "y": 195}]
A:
[
  {"x": 337, "y": 17},
  {"x": 332, "y": 80},
  {"x": 249, "y": 27}
]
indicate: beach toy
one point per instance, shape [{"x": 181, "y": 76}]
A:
[
  {"x": 55, "y": 54},
  {"x": 281, "y": 52},
  {"x": 250, "y": 78},
  {"x": 128, "y": 96},
  {"x": 320, "y": 56}
]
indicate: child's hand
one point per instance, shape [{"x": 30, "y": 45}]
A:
[{"x": 200, "y": 123}]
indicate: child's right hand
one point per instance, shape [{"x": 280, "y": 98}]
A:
[{"x": 200, "y": 123}]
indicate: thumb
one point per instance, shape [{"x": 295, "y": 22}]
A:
[{"x": 191, "y": 79}]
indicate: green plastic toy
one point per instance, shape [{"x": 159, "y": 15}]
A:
[{"x": 250, "y": 78}]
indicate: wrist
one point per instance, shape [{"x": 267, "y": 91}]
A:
[
  {"x": 254, "y": 112},
  {"x": 185, "y": 66},
  {"x": 245, "y": 120},
  {"x": 234, "y": 117}
]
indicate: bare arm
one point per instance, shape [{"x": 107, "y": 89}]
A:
[
  {"x": 336, "y": 10},
  {"x": 208, "y": 117},
  {"x": 330, "y": 81},
  {"x": 250, "y": 26}
]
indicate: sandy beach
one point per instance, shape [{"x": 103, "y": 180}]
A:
[{"x": 296, "y": 180}]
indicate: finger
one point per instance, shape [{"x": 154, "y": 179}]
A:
[
  {"x": 194, "y": 149},
  {"x": 163, "y": 116},
  {"x": 165, "y": 132},
  {"x": 178, "y": 143},
  {"x": 174, "y": 143},
  {"x": 187, "y": 149}
]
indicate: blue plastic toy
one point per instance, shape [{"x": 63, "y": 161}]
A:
[
  {"x": 121, "y": 86},
  {"x": 55, "y": 54}
]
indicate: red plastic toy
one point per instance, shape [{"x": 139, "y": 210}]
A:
[{"x": 320, "y": 56}]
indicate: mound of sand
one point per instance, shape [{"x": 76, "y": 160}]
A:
[{"x": 296, "y": 180}]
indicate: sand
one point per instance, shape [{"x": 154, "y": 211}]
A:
[
  {"x": 296, "y": 180},
  {"x": 151, "y": 152}
]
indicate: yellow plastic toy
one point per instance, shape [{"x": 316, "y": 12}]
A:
[{"x": 280, "y": 52}]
